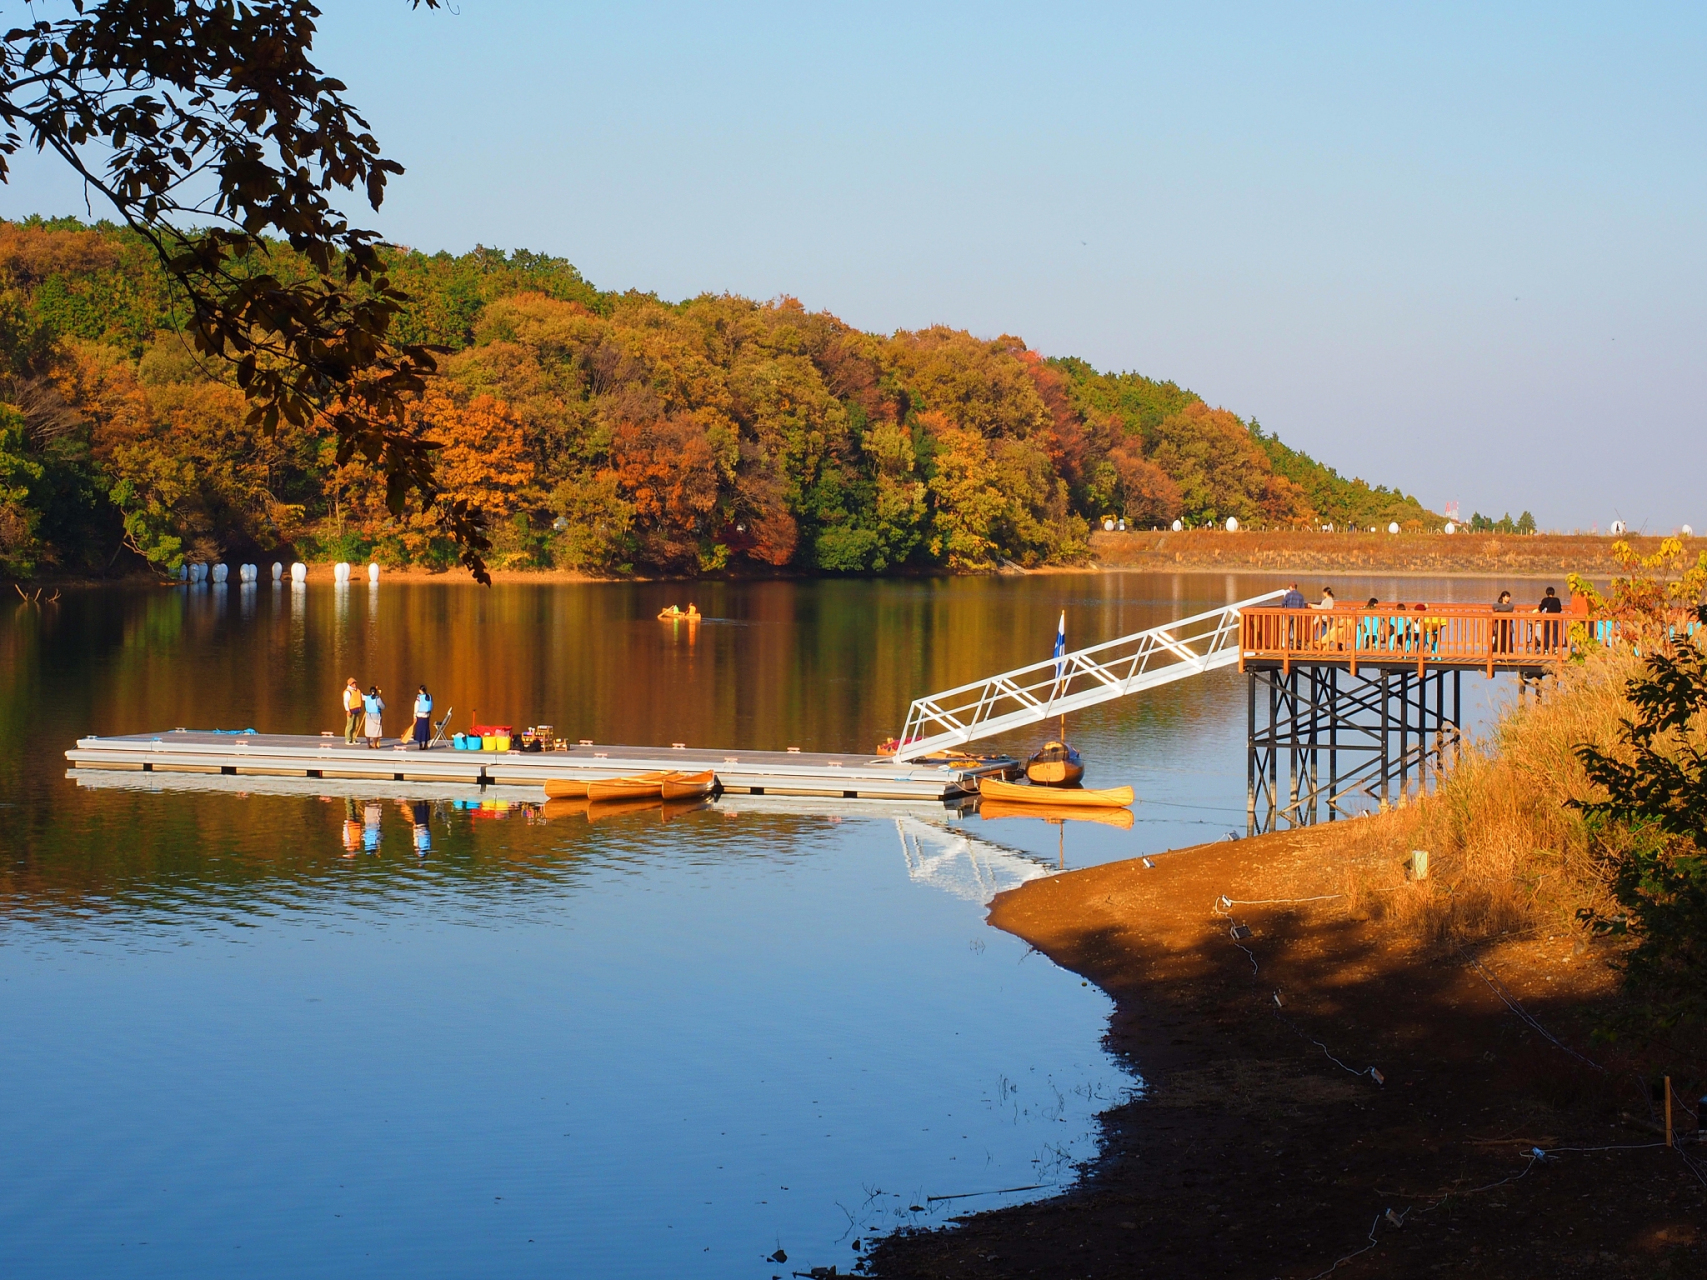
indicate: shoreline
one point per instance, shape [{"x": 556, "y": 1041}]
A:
[
  {"x": 1250, "y": 1153},
  {"x": 1491, "y": 557}
]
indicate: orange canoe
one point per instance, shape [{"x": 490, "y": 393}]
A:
[
  {"x": 639, "y": 786},
  {"x": 566, "y": 788},
  {"x": 688, "y": 786},
  {"x": 1066, "y": 797}
]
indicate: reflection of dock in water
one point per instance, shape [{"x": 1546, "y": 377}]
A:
[
  {"x": 958, "y": 862},
  {"x": 843, "y": 776}
]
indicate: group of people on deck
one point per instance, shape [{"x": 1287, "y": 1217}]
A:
[
  {"x": 364, "y": 715},
  {"x": 1504, "y": 635}
]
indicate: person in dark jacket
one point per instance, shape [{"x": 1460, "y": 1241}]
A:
[
  {"x": 1503, "y": 626},
  {"x": 1293, "y": 599},
  {"x": 1550, "y": 629}
]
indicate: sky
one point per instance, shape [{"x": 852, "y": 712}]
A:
[{"x": 1453, "y": 248}]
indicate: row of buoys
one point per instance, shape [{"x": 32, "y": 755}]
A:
[{"x": 197, "y": 572}]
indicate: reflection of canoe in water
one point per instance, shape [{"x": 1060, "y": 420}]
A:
[
  {"x": 1072, "y": 797},
  {"x": 1108, "y": 815},
  {"x": 604, "y": 809},
  {"x": 1055, "y": 764},
  {"x": 638, "y": 786},
  {"x": 688, "y": 786}
]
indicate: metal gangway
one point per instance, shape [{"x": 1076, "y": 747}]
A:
[{"x": 1082, "y": 678}]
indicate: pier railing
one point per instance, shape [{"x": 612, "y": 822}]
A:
[
  {"x": 1454, "y": 635},
  {"x": 1083, "y": 678}
]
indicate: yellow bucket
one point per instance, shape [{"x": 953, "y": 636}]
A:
[
  {"x": 501, "y": 742},
  {"x": 489, "y": 742}
]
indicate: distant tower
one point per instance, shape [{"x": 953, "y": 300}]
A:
[{"x": 1452, "y": 512}]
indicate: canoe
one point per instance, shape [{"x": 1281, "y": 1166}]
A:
[
  {"x": 1108, "y": 816},
  {"x": 1055, "y": 764},
  {"x": 1074, "y": 797},
  {"x": 639, "y": 786},
  {"x": 688, "y": 786},
  {"x": 566, "y": 788}
]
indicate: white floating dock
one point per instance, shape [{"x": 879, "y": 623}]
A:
[{"x": 777, "y": 773}]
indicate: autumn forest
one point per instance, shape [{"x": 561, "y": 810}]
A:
[{"x": 608, "y": 433}]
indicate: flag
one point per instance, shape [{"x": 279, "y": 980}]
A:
[{"x": 1060, "y": 644}]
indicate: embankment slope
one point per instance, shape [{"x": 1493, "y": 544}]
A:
[
  {"x": 1252, "y": 1154},
  {"x": 1410, "y": 554}
]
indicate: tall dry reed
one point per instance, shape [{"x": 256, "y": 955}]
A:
[{"x": 1506, "y": 854}]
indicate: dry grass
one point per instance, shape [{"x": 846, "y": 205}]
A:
[{"x": 1505, "y": 853}]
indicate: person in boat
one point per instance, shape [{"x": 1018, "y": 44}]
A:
[
  {"x": 373, "y": 709},
  {"x": 423, "y": 717}
]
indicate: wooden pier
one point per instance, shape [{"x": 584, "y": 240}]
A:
[
  {"x": 1350, "y": 705},
  {"x": 850, "y": 776}
]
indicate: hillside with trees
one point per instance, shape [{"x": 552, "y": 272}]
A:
[{"x": 604, "y": 432}]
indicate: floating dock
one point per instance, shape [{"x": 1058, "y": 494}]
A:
[{"x": 850, "y": 776}]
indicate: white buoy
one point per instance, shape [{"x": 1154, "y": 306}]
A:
[
  {"x": 1687, "y": 532},
  {"x": 1178, "y": 526},
  {"x": 1393, "y": 527},
  {"x": 299, "y": 573},
  {"x": 1108, "y": 524},
  {"x": 221, "y": 572},
  {"x": 341, "y": 571},
  {"x": 1450, "y": 527},
  {"x": 373, "y": 573},
  {"x": 1122, "y": 524},
  {"x": 183, "y": 573},
  {"x": 1616, "y": 528},
  {"x": 1232, "y": 524},
  {"x": 278, "y": 571}
]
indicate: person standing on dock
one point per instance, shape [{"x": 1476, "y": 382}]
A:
[
  {"x": 1550, "y": 603},
  {"x": 1293, "y": 599},
  {"x": 374, "y": 707},
  {"x": 423, "y": 717},
  {"x": 352, "y": 710}
]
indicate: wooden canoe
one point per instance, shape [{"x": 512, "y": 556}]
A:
[
  {"x": 638, "y": 786},
  {"x": 566, "y": 788},
  {"x": 688, "y": 786},
  {"x": 1109, "y": 816},
  {"x": 1074, "y": 797}
]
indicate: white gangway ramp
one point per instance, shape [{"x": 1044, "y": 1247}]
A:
[{"x": 1083, "y": 678}]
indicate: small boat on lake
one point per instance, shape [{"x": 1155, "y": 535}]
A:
[
  {"x": 676, "y": 614},
  {"x": 638, "y": 786},
  {"x": 1066, "y": 797},
  {"x": 1055, "y": 764},
  {"x": 688, "y": 786}
]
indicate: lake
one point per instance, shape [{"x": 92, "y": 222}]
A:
[{"x": 318, "y": 1028}]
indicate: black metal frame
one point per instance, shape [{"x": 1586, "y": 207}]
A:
[{"x": 1383, "y": 725}]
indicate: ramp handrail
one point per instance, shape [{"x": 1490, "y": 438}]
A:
[{"x": 1083, "y": 678}]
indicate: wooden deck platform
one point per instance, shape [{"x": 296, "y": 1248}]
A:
[
  {"x": 1397, "y": 637},
  {"x": 852, "y": 776}
]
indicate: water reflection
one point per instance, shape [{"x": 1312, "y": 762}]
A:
[{"x": 435, "y": 1031}]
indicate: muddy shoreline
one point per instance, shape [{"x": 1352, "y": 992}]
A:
[{"x": 1263, "y": 1144}]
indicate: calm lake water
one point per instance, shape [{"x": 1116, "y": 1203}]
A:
[{"x": 271, "y": 1034}]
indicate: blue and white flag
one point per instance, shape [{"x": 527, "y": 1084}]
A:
[{"x": 1060, "y": 644}]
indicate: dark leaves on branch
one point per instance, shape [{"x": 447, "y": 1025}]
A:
[{"x": 208, "y": 128}]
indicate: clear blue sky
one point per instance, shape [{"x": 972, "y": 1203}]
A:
[{"x": 1455, "y": 248}]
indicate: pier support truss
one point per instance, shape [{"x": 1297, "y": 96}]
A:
[{"x": 1324, "y": 742}]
